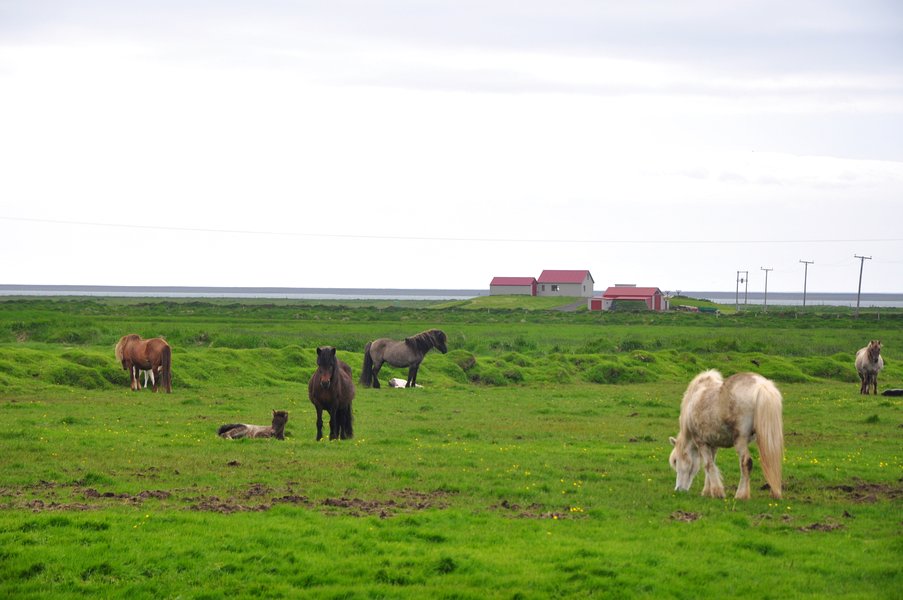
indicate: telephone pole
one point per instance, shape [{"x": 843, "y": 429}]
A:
[
  {"x": 805, "y": 277},
  {"x": 862, "y": 260},
  {"x": 737, "y": 296},
  {"x": 765, "y": 308}
]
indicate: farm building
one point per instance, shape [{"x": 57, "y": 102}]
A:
[
  {"x": 521, "y": 286},
  {"x": 652, "y": 296},
  {"x": 565, "y": 283}
]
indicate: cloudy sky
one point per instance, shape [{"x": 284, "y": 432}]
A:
[{"x": 436, "y": 144}]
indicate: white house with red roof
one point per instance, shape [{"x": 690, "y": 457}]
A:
[
  {"x": 519, "y": 286},
  {"x": 565, "y": 283},
  {"x": 652, "y": 296}
]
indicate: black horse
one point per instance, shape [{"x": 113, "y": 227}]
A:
[
  {"x": 331, "y": 388},
  {"x": 407, "y": 353}
]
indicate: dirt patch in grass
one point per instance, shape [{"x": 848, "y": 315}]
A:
[
  {"x": 406, "y": 500},
  {"x": 532, "y": 511},
  {"x": 684, "y": 516},
  {"x": 38, "y": 505},
  {"x": 827, "y": 525},
  {"x": 136, "y": 498},
  {"x": 865, "y": 492}
]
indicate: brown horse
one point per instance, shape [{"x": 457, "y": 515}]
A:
[
  {"x": 331, "y": 388},
  {"x": 406, "y": 353},
  {"x": 234, "y": 431},
  {"x": 868, "y": 363},
  {"x": 137, "y": 354}
]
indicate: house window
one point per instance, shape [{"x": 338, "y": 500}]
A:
[{"x": 554, "y": 287}]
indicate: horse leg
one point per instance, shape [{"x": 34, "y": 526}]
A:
[
  {"x": 874, "y": 378},
  {"x": 333, "y": 423},
  {"x": 133, "y": 374},
  {"x": 412, "y": 375},
  {"x": 713, "y": 485},
  {"x": 377, "y": 365},
  {"x": 319, "y": 423},
  {"x": 745, "y": 469},
  {"x": 340, "y": 423}
]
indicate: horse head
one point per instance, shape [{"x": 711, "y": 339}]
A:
[
  {"x": 439, "y": 340},
  {"x": 685, "y": 460},
  {"x": 874, "y": 350},
  {"x": 326, "y": 364}
]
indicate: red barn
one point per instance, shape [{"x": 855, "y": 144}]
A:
[
  {"x": 523, "y": 286},
  {"x": 652, "y": 296}
]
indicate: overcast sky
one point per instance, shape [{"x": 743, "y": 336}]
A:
[{"x": 417, "y": 144}]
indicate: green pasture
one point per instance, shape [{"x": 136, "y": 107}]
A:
[{"x": 532, "y": 463}]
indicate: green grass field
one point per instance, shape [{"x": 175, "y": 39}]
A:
[{"x": 532, "y": 464}]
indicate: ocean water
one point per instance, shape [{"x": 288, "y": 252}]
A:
[
  {"x": 796, "y": 299},
  {"x": 882, "y": 300}
]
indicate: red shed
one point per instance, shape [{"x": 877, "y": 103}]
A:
[{"x": 652, "y": 296}]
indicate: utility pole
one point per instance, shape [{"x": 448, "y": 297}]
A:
[
  {"x": 862, "y": 260},
  {"x": 737, "y": 295},
  {"x": 805, "y": 277},
  {"x": 765, "y": 308}
]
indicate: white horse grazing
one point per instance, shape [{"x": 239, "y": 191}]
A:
[
  {"x": 868, "y": 363},
  {"x": 718, "y": 413}
]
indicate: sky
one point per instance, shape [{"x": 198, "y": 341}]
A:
[{"x": 437, "y": 144}]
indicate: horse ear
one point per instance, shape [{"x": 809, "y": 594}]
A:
[
  {"x": 673, "y": 441},
  {"x": 332, "y": 351},
  {"x": 319, "y": 350}
]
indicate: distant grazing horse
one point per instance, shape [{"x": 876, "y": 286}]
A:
[
  {"x": 718, "y": 413},
  {"x": 331, "y": 388},
  {"x": 407, "y": 353},
  {"x": 868, "y": 363},
  {"x": 234, "y": 431},
  {"x": 154, "y": 355}
]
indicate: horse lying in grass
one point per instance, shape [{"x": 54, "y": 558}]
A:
[
  {"x": 234, "y": 431},
  {"x": 718, "y": 413},
  {"x": 405, "y": 353},
  {"x": 868, "y": 363}
]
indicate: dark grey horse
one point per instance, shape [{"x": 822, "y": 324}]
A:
[{"x": 406, "y": 353}]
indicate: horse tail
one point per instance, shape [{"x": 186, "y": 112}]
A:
[
  {"x": 228, "y": 427},
  {"x": 770, "y": 433},
  {"x": 166, "y": 364},
  {"x": 367, "y": 370}
]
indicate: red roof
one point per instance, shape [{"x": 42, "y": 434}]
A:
[
  {"x": 627, "y": 292},
  {"x": 552, "y": 276},
  {"x": 512, "y": 281}
]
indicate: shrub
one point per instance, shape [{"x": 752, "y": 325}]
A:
[
  {"x": 77, "y": 376},
  {"x": 464, "y": 359},
  {"x": 612, "y": 372}
]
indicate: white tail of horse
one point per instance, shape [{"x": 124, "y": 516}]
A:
[{"x": 770, "y": 433}]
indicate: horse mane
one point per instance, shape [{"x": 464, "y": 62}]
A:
[
  {"x": 706, "y": 379},
  {"x": 426, "y": 340},
  {"x": 131, "y": 337}
]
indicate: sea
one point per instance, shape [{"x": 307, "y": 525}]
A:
[{"x": 866, "y": 300}]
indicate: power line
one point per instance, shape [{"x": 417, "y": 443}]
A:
[{"x": 438, "y": 238}]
